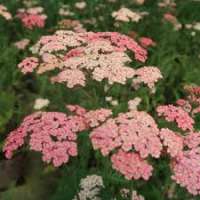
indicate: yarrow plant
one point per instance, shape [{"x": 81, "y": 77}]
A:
[
  {"x": 128, "y": 139},
  {"x": 53, "y": 134},
  {"x": 99, "y": 56},
  {"x": 183, "y": 145}
]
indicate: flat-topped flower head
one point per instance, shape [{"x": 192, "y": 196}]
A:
[
  {"x": 183, "y": 147},
  {"x": 134, "y": 134},
  {"x": 100, "y": 56},
  {"x": 51, "y": 133}
]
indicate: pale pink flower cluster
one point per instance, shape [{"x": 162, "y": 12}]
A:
[
  {"x": 90, "y": 188},
  {"x": 92, "y": 118},
  {"x": 126, "y": 15},
  {"x": 192, "y": 140},
  {"x": 32, "y": 17},
  {"x": 192, "y": 103},
  {"x": 28, "y": 65},
  {"x": 96, "y": 117},
  {"x": 134, "y": 103},
  {"x": 183, "y": 148},
  {"x": 54, "y": 134},
  {"x": 148, "y": 75},
  {"x": 176, "y": 114},
  {"x": 131, "y": 165},
  {"x": 134, "y": 130},
  {"x": 186, "y": 170},
  {"x": 101, "y": 55},
  {"x": 4, "y": 12},
  {"x": 40, "y": 103},
  {"x": 51, "y": 133},
  {"x": 172, "y": 141},
  {"x": 22, "y": 44}
]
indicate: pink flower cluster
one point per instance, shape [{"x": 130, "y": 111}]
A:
[
  {"x": 129, "y": 131},
  {"x": 131, "y": 165},
  {"x": 101, "y": 55},
  {"x": 53, "y": 134},
  {"x": 176, "y": 114},
  {"x": 148, "y": 75},
  {"x": 32, "y": 17},
  {"x": 186, "y": 170},
  {"x": 28, "y": 64},
  {"x": 183, "y": 148},
  {"x": 172, "y": 141}
]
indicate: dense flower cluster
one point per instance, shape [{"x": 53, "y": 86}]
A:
[
  {"x": 28, "y": 64},
  {"x": 129, "y": 131},
  {"x": 172, "y": 141},
  {"x": 90, "y": 188},
  {"x": 148, "y": 75},
  {"x": 178, "y": 115},
  {"x": 183, "y": 148},
  {"x": 54, "y": 134},
  {"x": 131, "y": 165},
  {"x": 32, "y": 17},
  {"x": 101, "y": 55},
  {"x": 186, "y": 169},
  {"x": 51, "y": 133}
]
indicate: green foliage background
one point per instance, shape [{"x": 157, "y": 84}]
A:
[{"x": 26, "y": 177}]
